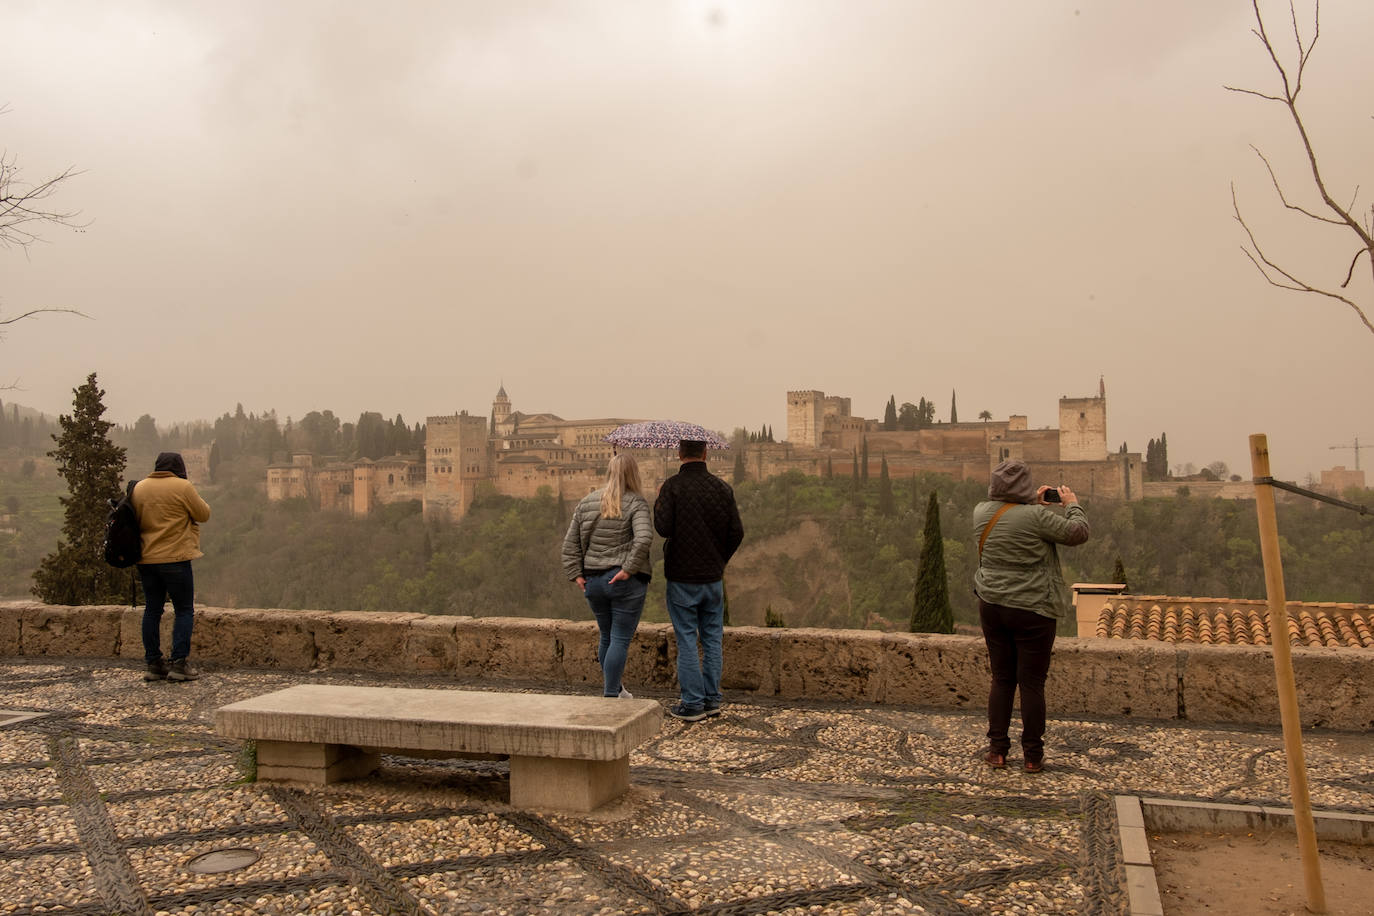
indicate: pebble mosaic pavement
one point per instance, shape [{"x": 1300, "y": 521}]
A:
[{"x": 774, "y": 807}]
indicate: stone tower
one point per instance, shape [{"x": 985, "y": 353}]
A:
[
  {"x": 805, "y": 417},
  {"x": 500, "y": 408},
  {"x": 457, "y": 459},
  {"x": 1083, "y": 427}
]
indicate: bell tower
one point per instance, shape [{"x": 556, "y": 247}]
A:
[{"x": 500, "y": 408}]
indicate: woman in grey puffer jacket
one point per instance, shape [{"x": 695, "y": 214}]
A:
[{"x": 606, "y": 552}]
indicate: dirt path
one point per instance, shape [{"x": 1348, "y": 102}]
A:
[{"x": 1223, "y": 874}]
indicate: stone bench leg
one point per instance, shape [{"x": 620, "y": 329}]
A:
[
  {"x": 569, "y": 785},
  {"x": 292, "y": 761}
]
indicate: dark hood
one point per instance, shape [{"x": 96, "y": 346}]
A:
[
  {"x": 171, "y": 461},
  {"x": 1011, "y": 482}
]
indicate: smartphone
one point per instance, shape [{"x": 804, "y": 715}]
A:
[{"x": 1052, "y": 495}]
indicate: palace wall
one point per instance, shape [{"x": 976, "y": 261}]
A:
[
  {"x": 1039, "y": 445},
  {"x": 1116, "y": 476},
  {"x": 385, "y": 481}
]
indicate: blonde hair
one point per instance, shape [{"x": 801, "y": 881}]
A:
[{"x": 622, "y": 475}]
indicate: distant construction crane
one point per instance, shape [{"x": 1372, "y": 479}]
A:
[{"x": 1356, "y": 447}]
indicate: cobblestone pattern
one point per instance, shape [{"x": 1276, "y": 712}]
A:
[{"x": 770, "y": 808}]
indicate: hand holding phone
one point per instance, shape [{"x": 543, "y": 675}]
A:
[{"x": 1052, "y": 495}]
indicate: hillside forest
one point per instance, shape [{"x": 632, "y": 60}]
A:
[{"x": 819, "y": 551}]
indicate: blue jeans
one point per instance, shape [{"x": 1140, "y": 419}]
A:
[
  {"x": 161, "y": 581},
  {"x": 697, "y": 610},
  {"x": 617, "y": 607}
]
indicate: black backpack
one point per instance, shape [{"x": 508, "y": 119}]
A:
[{"x": 123, "y": 539}]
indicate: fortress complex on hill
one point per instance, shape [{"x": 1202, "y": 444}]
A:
[
  {"x": 517, "y": 454},
  {"x": 821, "y": 428}
]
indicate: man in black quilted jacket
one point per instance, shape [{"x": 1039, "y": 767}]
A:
[{"x": 696, "y": 514}]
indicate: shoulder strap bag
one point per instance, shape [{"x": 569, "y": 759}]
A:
[{"x": 988, "y": 530}]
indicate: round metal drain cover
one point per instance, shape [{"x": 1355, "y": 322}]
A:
[{"x": 222, "y": 860}]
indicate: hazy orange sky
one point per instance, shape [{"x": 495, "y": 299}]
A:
[{"x": 652, "y": 209}]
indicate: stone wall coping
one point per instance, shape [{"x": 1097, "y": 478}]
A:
[{"x": 1089, "y": 677}]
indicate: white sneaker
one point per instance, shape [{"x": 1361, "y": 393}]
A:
[{"x": 625, "y": 694}]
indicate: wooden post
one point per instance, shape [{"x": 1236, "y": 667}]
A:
[{"x": 1283, "y": 671}]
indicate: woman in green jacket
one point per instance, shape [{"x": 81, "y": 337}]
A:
[{"x": 1021, "y": 599}]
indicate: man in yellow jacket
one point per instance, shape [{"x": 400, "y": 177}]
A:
[{"x": 169, "y": 515}]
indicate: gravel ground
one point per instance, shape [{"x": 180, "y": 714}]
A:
[{"x": 790, "y": 808}]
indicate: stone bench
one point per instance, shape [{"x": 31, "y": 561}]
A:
[{"x": 565, "y": 752}]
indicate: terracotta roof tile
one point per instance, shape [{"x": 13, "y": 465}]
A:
[{"x": 1227, "y": 621}]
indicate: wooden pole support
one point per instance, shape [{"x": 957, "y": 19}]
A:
[{"x": 1283, "y": 672}]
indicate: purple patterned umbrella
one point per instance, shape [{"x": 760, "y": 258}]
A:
[{"x": 663, "y": 434}]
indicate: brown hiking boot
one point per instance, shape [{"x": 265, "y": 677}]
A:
[
  {"x": 181, "y": 671},
  {"x": 157, "y": 671}
]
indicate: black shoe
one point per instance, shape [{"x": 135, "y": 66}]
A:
[
  {"x": 181, "y": 671},
  {"x": 687, "y": 713},
  {"x": 157, "y": 671},
  {"x": 710, "y": 710}
]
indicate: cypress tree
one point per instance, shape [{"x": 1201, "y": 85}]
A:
[
  {"x": 890, "y": 415},
  {"x": 829, "y": 468},
  {"x": 932, "y": 612},
  {"x": 739, "y": 475},
  {"x": 855, "y": 488},
  {"x": 953, "y": 407},
  {"x": 863, "y": 462},
  {"x": 1119, "y": 573},
  {"x": 76, "y": 572},
  {"x": 886, "y": 506}
]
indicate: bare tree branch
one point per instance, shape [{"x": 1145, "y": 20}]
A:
[
  {"x": 1278, "y": 189},
  {"x": 31, "y": 312},
  {"x": 1341, "y": 216},
  {"x": 1264, "y": 265},
  {"x": 23, "y": 207},
  {"x": 1353, "y": 261},
  {"x": 22, "y": 211},
  {"x": 1272, "y": 98}
]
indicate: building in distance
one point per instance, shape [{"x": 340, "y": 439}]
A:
[{"x": 518, "y": 454}]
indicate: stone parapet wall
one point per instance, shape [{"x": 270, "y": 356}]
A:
[
  {"x": 1089, "y": 677},
  {"x": 1207, "y": 489}
]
